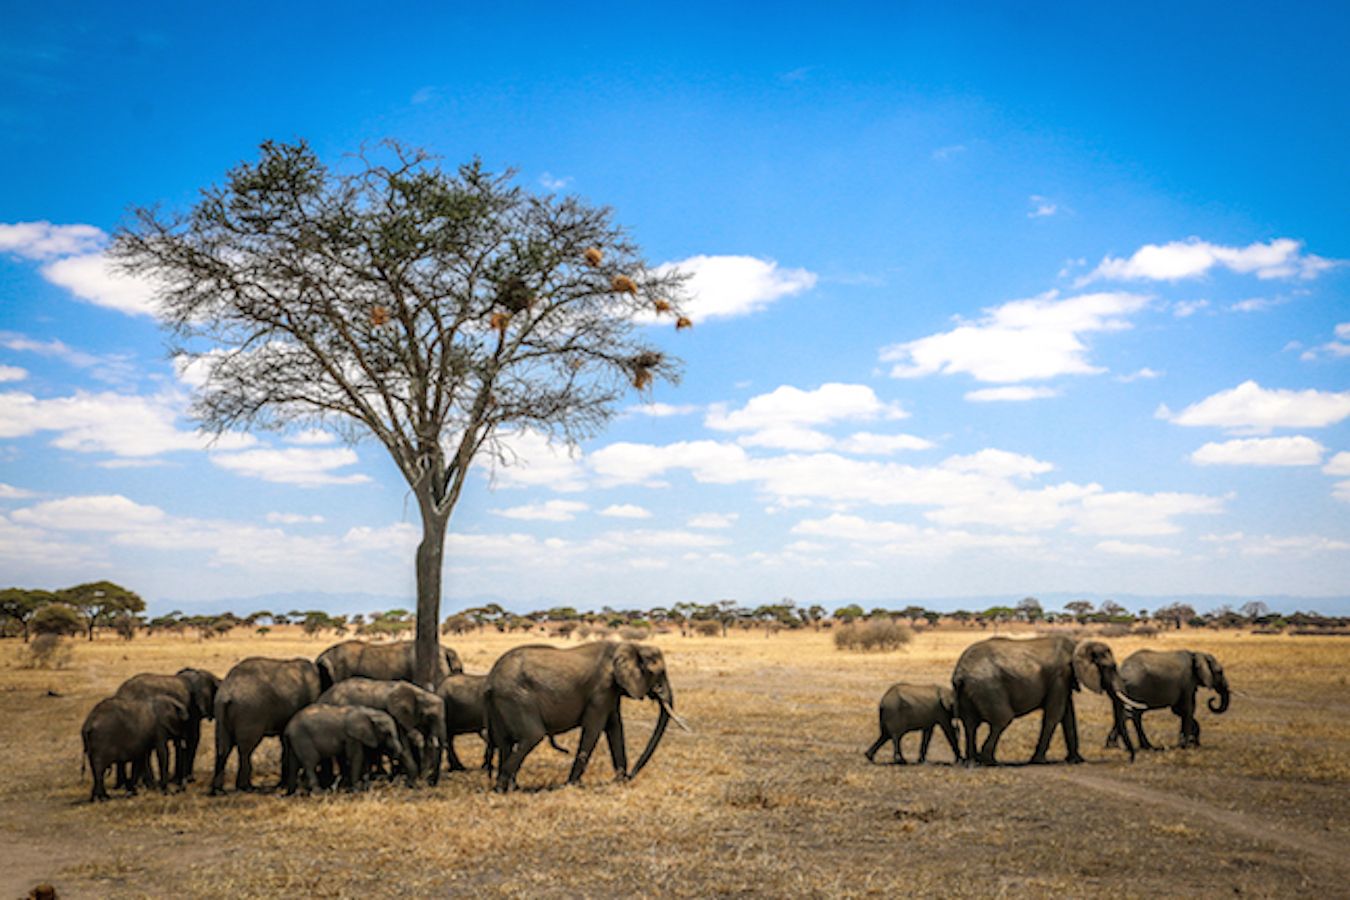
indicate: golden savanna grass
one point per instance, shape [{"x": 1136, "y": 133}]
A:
[{"x": 770, "y": 796}]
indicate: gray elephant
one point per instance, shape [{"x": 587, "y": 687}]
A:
[
  {"x": 419, "y": 713},
  {"x": 1156, "y": 679},
  {"x": 320, "y": 732},
  {"x": 913, "y": 707},
  {"x": 127, "y": 730},
  {"x": 256, "y": 700},
  {"x": 465, "y": 713},
  {"x": 196, "y": 690},
  {"x": 382, "y": 662},
  {"x": 536, "y": 691},
  {"x": 998, "y": 679}
]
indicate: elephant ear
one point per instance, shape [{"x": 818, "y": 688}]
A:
[
  {"x": 628, "y": 671},
  {"x": 171, "y": 714},
  {"x": 1204, "y": 665},
  {"x": 362, "y": 727},
  {"x": 402, "y": 706},
  {"x": 1085, "y": 666}
]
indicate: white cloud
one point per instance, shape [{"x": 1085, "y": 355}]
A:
[
  {"x": 293, "y": 465},
  {"x": 1024, "y": 340},
  {"x": 787, "y": 406},
  {"x": 1129, "y": 513},
  {"x": 1339, "y": 348},
  {"x": 951, "y": 151},
  {"x": 905, "y": 539},
  {"x": 725, "y": 286},
  {"x": 1144, "y": 374},
  {"x": 12, "y": 373},
  {"x": 91, "y": 277},
  {"x": 277, "y": 518},
  {"x": 108, "y": 512},
  {"x": 1257, "y": 304},
  {"x": 663, "y": 410},
  {"x": 43, "y": 240},
  {"x": 113, "y": 369},
  {"x": 1279, "y": 451},
  {"x": 1295, "y": 545},
  {"x": 1041, "y": 207},
  {"x": 713, "y": 520},
  {"x": 1010, "y": 394},
  {"x": 10, "y": 492},
  {"x": 121, "y": 424},
  {"x": 1253, "y": 409},
  {"x": 548, "y": 511},
  {"x": 631, "y": 463},
  {"x": 998, "y": 464},
  {"x": 1341, "y": 491},
  {"x": 1280, "y": 258},
  {"x": 1143, "y": 551},
  {"x": 625, "y": 511},
  {"x": 1338, "y": 464},
  {"x": 788, "y": 437},
  {"x": 866, "y": 443},
  {"x": 553, "y": 182},
  {"x": 313, "y": 437},
  {"x": 1185, "y": 308}
]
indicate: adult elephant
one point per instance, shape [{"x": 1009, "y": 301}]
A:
[
  {"x": 536, "y": 691},
  {"x": 256, "y": 700},
  {"x": 998, "y": 679},
  {"x": 196, "y": 690},
  {"x": 1156, "y": 679},
  {"x": 420, "y": 715},
  {"x": 382, "y": 662},
  {"x": 127, "y": 730},
  {"x": 465, "y": 713}
]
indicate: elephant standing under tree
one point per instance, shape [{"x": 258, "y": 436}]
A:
[
  {"x": 256, "y": 700},
  {"x": 127, "y": 730},
  {"x": 196, "y": 690},
  {"x": 381, "y": 662},
  {"x": 1156, "y": 679},
  {"x": 536, "y": 691},
  {"x": 998, "y": 679},
  {"x": 913, "y": 707},
  {"x": 320, "y": 732},
  {"x": 419, "y": 713}
]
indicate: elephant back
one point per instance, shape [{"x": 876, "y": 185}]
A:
[{"x": 275, "y": 689}]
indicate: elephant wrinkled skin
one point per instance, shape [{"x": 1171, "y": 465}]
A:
[
  {"x": 420, "y": 715},
  {"x": 1157, "y": 679},
  {"x": 127, "y": 730},
  {"x": 381, "y": 662},
  {"x": 321, "y": 732},
  {"x": 196, "y": 690},
  {"x": 256, "y": 700}
]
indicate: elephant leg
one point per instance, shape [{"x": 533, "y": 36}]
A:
[
  {"x": 950, "y": 733},
  {"x": 487, "y": 755},
  {"x": 324, "y": 772},
  {"x": 897, "y": 756},
  {"x": 1185, "y": 710},
  {"x": 1112, "y": 737},
  {"x": 996, "y": 729},
  {"x": 137, "y": 775},
  {"x": 194, "y": 740},
  {"x": 1118, "y": 716},
  {"x": 99, "y": 791},
  {"x": 162, "y": 757},
  {"x": 452, "y": 763},
  {"x": 1137, "y": 717},
  {"x": 618, "y": 753},
  {"x": 506, "y": 774},
  {"x": 923, "y": 745},
  {"x": 1195, "y": 733},
  {"x": 123, "y": 774},
  {"x": 969, "y": 723},
  {"x": 871, "y": 751},
  {"x": 1070, "y": 723},
  {"x": 243, "y": 780},
  {"x": 223, "y": 748},
  {"x": 147, "y": 771},
  {"x": 1052, "y": 716},
  {"x": 590, "y": 733}
]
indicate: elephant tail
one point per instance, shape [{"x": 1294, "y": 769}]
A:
[{"x": 958, "y": 688}]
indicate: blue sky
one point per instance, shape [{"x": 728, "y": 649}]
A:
[{"x": 1001, "y": 302}]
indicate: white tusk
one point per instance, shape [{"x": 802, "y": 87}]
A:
[{"x": 684, "y": 726}]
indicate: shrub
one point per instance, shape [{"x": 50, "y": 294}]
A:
[
  {"x": 1114, "y": 631},
  {"x": 47, "y": 651},
  {"x": 633, "y": 633},
  {"x": 707, "y": 628},
  {"x": 872, "y": 634},
  {"x": 57, "y": 619}
]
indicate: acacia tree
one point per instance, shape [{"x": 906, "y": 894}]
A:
[
  {"x": 437, "y": 312},
  {"x": 100, "y": 602}
]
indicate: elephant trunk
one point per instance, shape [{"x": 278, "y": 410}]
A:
[
  {"x": 655, "y": 739},
  {"x": 1222, "y": 689}
]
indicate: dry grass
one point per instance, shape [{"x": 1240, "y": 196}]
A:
[{"x": 770, "y": 796}]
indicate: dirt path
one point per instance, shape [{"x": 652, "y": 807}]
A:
[{"x": 1327, "y": 850}]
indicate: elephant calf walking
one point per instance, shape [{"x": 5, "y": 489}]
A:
[{"x": 914, "y": 707}]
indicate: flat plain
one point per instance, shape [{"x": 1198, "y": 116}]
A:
[{"x": 770, "y": 795}]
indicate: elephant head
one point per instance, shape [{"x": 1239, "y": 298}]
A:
[
  {"x": 171, "y": 717},
  {"x": 1095, "y": 668},
  {"x": 453, "y": 665},
  {"x": 1210, "y": 674},
  {"x": 202, "y": 686},
  {"x": 640, "y": 672},
  {"x": 377, "y": 731}
]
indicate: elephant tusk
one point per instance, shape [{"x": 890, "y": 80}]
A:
[{"x": 684, "y": 726}]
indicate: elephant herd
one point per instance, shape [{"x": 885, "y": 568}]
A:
[
  {"x": 999, "y": 679},
  {"x": 357, "y": 704}
]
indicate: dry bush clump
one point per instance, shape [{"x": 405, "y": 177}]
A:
[
  {"x": 633, "y": 633},
  {"x": 47, "y": 651},
  {"x": 706, "y": 628},
  {"x": 873, "y": 634},
  {"x": 1114, "y": 630}
]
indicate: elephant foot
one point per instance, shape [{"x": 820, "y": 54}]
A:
[
  {"x": 900, "y": 761},
  {"x": 1154, "y": 748},
  {"x": 216, "y": 791},
  {"x": 1075, "y": 760},
  {"x": 191, "y": 778},
  {"x": 1037, "y": 760},
  {"x": 457, "y": 768}
]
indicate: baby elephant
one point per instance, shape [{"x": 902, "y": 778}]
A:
[
  {"x": 911, "y": 707},
  {"x": 124, "y": 730},
  {"x": 321, "y": 732}
]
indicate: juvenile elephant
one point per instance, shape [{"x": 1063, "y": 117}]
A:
[
  {"x": 127, "y": 730},
  {"x": 465, "y": 713},
  {"x": 196, "y": 690},
  {"x": 536, "y": 690},
  {"x": 320, "y": 732},
  {"x": 256, "y": 700},
  {"x": 998, "y": 679},
  {"x": 1155, "y": 679},
  {"x": 419, "y": 713},
  {"x": 381, "y": 662},
  {"x": 913, "y": 707}
]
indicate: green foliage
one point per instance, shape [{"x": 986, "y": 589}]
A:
[
  {"x": 18, "y": 606},
  {"x": 849, "y": 613},
  {"x": 57, "y": 619},
  {"x": 99, "y": 602}
]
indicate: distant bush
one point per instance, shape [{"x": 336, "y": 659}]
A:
[
  {"x": 57, "y": 619},
  {"x": 47, "y": 651},
  {"x": 565, "y": 629},
  {"x": 633, "y": 633},
  {"x": 707, "y": 628},
  {"x": 1114, "y": 631},
  {"x": 872, "y": 634},
  {"x": 1146, "y": 631}
]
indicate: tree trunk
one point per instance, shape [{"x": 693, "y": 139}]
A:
[{"x": 430, "y": 554}]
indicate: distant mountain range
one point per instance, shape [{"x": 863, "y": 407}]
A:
[{"x": 348, "y": 603}]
